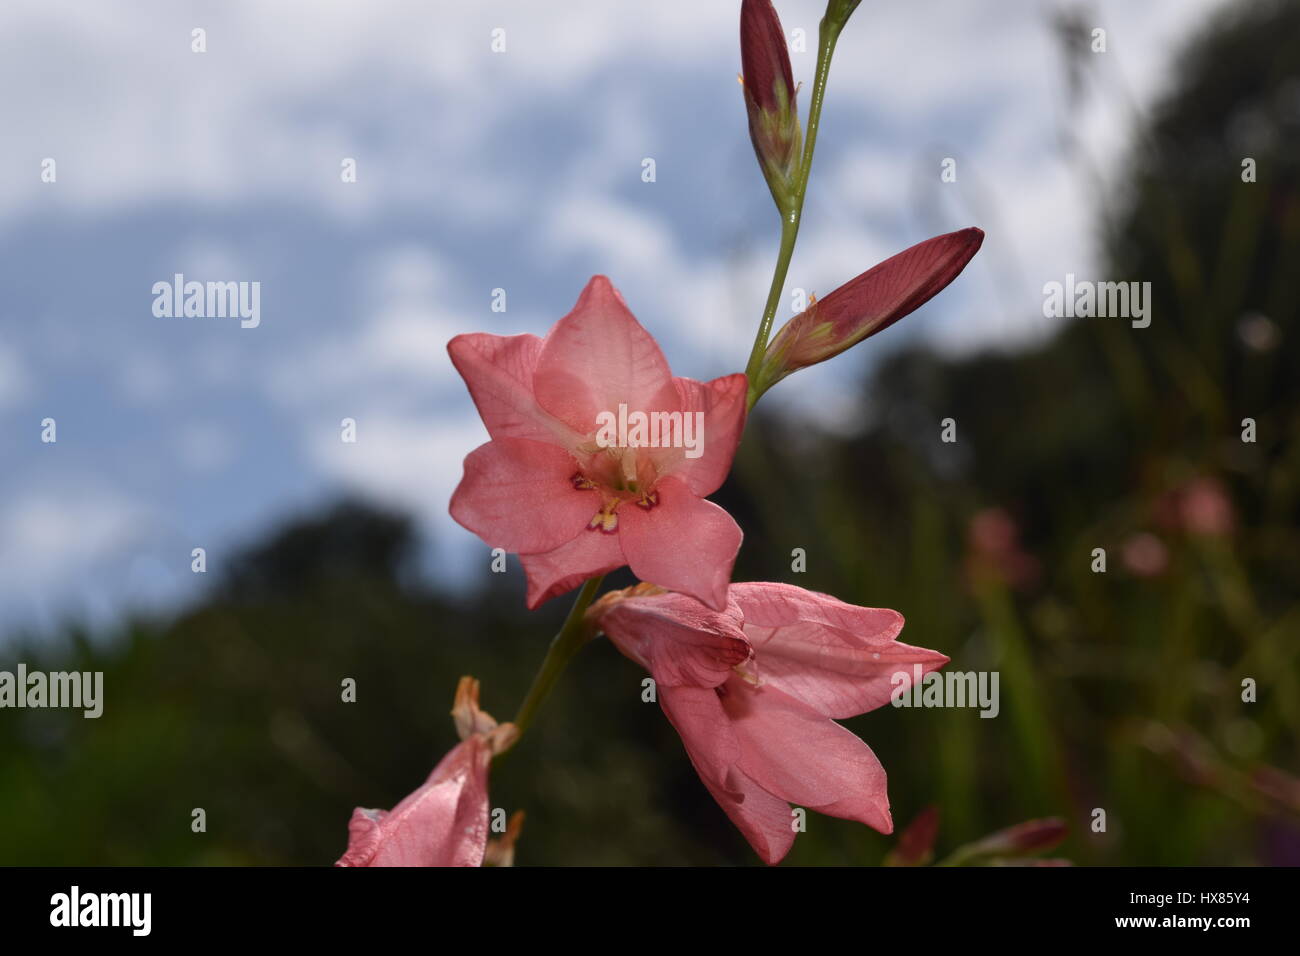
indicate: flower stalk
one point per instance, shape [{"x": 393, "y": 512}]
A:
[
  {"x": 791, "y": 216},
  {"x": 577, "y": 630}
]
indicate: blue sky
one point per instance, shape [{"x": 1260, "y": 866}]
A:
[{"x": 476, "y": 170}]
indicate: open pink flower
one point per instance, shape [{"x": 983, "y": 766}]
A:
[
  {"x": 445, "y": 821},
  {"x": 575, "y": 498},
  {"x": 754, "y": 691}
]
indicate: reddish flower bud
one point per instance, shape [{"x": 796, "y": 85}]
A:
[
  {"x": 1032, "y": 836},
  {"x": 1013, "y": 844},
  {"x": 864, "y": 306},
  {"x": 1206, "y": 508},
  {"x": 916, "y": 844},
  {"x": 770, "y": 97}
]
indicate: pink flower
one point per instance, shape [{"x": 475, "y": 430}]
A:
[
  {"x": 754, "y": 691},
  {"x": 1145, "y": 555},
  {"x": 445, "y": 822},
  {"x": 1206, "y": 509},
  {"x": 574, "y": 500},
  {"x": 994, "y": 551}
]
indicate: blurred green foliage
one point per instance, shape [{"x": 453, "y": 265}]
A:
[{"x": 1120, "y": 691}]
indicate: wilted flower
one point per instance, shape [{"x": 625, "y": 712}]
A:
[
  {"x": 754, "y": 691},
  {"x": 445, "y": 821},
  {"x": 574, "y": 505}
]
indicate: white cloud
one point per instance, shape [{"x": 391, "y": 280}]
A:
[
  {"x": 286, "y": 90},
  {"x": 397, "y": 346},
  {"x": 56, "y": 531},
  {"x": 535, "y": 150},
  {"x": 15, "y": 383}
]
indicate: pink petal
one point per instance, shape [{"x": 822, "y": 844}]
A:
[
  {"x": 762, "y": 818},
  {"x": 518, "y": 495},
  {"x": 699, "y": 719},
  {"x": 597, "y": 357},
  {"x": 697, "y": 715},
  {"x": 561, "y": 570},
  {"x": 797, "y": 754},
  {"x": 836, "y": 658},
  {"x": 365, "y": 835},
  {"x": 772, "y": 604},
  {"x": 723, "y": 403},
  {"x": 499, "y": 373},
  {"x": 677, "y": 639},
  {"x": 683, "y": 543},
  {"x": 443, "y": 823}
]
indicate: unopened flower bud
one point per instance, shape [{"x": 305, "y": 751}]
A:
[
  {"x": 868, "y": 304},
  {"x": 916, "y": 843},
  {"x": 1013, "y": 843},
  {"x": 770, "y": 98}
]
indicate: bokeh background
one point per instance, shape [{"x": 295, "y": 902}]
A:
[{"x": 522, "y": 170}]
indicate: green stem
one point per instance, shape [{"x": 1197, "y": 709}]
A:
[
  {"x": 575, "y": 633},
  {"x": 791, "y": 216},
  {"x": 571, "y": 636}
]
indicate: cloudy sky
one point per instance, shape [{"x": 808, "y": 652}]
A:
[{"x": 476, "y": 170}]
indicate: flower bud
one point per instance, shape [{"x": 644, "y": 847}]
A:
[
  {"x": 1013, "y": 843},
  {"x": 916, "y": 843},
  {"x": 868, "y": 304},
  {"x": 770, "y": 98}
]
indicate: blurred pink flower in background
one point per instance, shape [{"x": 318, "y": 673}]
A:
[
  {"x": 1200, "y": 506},
  {"x": 445, "y": 821},
  {"x": 754, "y": 692},
  {"x": 1205, "y": 508},
  {"x": 1144, "y": 555},
  {"x": 572, "y": 508},
  {"x": 915, "y": 845},
  {"x": 993, "y": 550}
]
